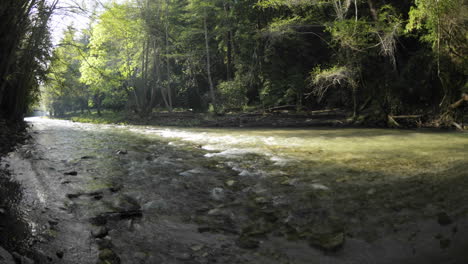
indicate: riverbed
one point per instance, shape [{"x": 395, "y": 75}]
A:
[{"x": 145, "y": 194}]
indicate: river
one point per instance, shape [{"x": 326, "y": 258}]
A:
[{"x": 136, "y": 194}]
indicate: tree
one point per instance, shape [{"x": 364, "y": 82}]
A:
[
  {"x": 111, "y": 64},
  {"x": 24, "y": 39}
]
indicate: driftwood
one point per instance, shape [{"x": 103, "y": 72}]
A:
[
  {"x": 464, "y": 98},
  {"x": 458, "y": 126},
  {"x": 392, "y": 119},
  {"x": 406, "y": 116},
  {"x": 281, "y": 107}
]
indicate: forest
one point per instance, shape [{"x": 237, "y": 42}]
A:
[
  {"x": 372, "y": 58},
  {"x": 234, "y": 131}
]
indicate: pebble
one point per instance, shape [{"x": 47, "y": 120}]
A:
[
  {"x": 230, "y": 183},
  {"x": 444, "y": 219},
  {"x": 182, "y": 256},
  {"x": 99, "y": 232},
  {"x": 103, "y": 243},
  {"x": 217, "y": 194},
  {"x": 197, "y": 247}
]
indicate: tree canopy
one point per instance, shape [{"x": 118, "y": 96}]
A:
[{"x": 385, "y": 57}]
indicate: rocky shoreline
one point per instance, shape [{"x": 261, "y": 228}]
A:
[
  {"x": 11, "y": 134},
  {"x": 275, "y": 119}
]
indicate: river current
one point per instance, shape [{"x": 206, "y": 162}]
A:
[{"x": 138, "y": 194}]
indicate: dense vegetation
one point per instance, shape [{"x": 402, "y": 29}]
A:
[
  {"x": 373, "y": 57},
  {"x": 24, "y": 53}
]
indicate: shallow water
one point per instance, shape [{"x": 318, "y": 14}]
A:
[{"x": 176, "y": 176}]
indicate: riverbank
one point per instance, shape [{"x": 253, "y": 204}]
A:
[
  {"x": 13, "y": 230},
  {"x": 331, "y": 117},
  {"x": 271, "y": 119}
]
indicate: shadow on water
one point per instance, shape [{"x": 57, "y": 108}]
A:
[{"x": 14, "y": 230}]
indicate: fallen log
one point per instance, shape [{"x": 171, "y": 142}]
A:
[
  {"x": 464, "y": 98},
  {"x": 458, "y": 126},
  {"x": 406, "y": 116}
]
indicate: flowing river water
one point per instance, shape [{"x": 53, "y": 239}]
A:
[{"x": 135, "y": 194}]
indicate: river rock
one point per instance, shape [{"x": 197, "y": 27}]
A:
[
  {"x": 108, "y": 256},
  {"x": 444, "y": 219},
  {"x": 155, "y": 205},
  {"x": 125, "y": 203},
  {"x": 103, "y": 243},
  {"x": 247, "y": 242},
  {"x": 327, "y": 241},
  {"x": 230, "y": 183},
  {"x": 24, "y": 260},
  {"x": 218, "y": 212},
  {"x": 5, "y": 257},
  {"x": 121, "y": 152},
  {"x": 183, "y": 256},
  {"x": 218, "y": 194},
  {"x": 99, "y": 232}
]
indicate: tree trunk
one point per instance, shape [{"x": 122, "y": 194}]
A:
[
  {"x": 227, "y": 9},
  {"x": 208, "y": 63},
  {"x": 168, "y": 68},
  {"x": 372, "y": 9}
]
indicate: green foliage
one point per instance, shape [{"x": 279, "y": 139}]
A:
[
  {"x": 233, "y": 94},
  {"x": 226, "y": 54}
]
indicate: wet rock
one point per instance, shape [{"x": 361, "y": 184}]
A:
[
  {"x": 98, "y": 220},
  {"x": 218, "y": 212},
  {"x": 444, "y": 219},
  {"x": 71, "y": 173},
  {"x": 318, "y": 186},
  {"x": 126, "y": 203},
  {"x": 99, "y": 232},
  {"x": 247, "y": 242},
  {"x": 115, "y": 188},
  {"x": 140, "y": 256},
  {"x": 371, "y": 191},
  {"x": 97, "y": 197},
  {"x": 103, "y": 243},
  {"x": 444, "y": 243},
  {"x": 5, "y": 257},
  {"x": 24, "y": 260},
  {"x": 183, "y": 256},
  {"x": 53, "y": 222},
  {"x": 197, "y": 247},
  {"x": 155, "y": 205},
  {"x": 230, "y": 183},
  {"x": 121, "y": 152},
  {"x": 327, "y": 241},
  {"x": 73, "y": 195},
  {"x": 261, "y": 200},
  {"x": 218, "y": 194},
  {"x": 108, "y": 256},
  {"x": 203, "y": 229}
]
